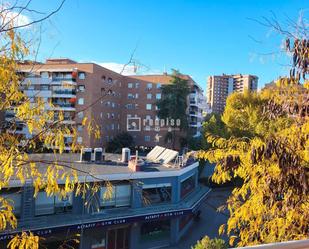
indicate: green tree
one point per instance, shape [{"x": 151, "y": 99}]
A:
[
  {"x": 120, "y": 141},
  {"x": 267, "y": 145},
  {"x": 207, "y": 243},
  {"x": 173, "y": 104}
]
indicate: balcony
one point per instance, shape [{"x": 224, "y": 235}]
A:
[
  {"x": 36, "y": 81},
  {"x": 193, "y": 124},
  {"x": 193, "y": 113},
  {"x": 64, "y": 106},
  {"x": 64, "y": 93}
]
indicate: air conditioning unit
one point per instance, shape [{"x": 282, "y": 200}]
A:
[
  {"x": 125, "y": 155},
  {"x": 86, "y": 154},
  {"x": 98, "y": 154}
]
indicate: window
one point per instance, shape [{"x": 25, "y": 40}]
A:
[
  {"x": 155, "y": 230},
  {"x": 149, "y": 86},
  {"x": 80, "y": 101},
  {"x": 130, "y": 106},
  {"x": 158, "y": 86},
  {"x": 79, "y": 140},
  {"x": 109, "y": 80},
  {"x": 80, "y": 114},
  {"x": 14, "y": 199},
  {"x": 136, "y": 85},
  {"x": 157, "y": 108},
  {"x": 44, "y": 87},
  {"x": 130, "y": 85},
  {"x": 44, "y": 75},
  {"x": 113, "y": 126},
  {"x": 119, "y": 196},
  {"x": 147, "y": 138},
  {"x": 108, "y": 115},
  {"x": 132, "y": 96},
  {"x": 103, "y": 77},
  {"x": 52, "y": 204},
  {"x": 148, "y": 106},
  {"x": 185, "y": 220},
  {"x": 81, "y": 75},
  {"x": 157, "y": 193},
  {"x": 81, "y": 88},
  {"x": 80, "y": 128},
  {"x": 187, "y": 186},
  {"x": 149, "y": 95},
  {"x": 158, "y": 96}
]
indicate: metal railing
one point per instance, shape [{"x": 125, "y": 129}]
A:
[{"x": 297, "y": 244}]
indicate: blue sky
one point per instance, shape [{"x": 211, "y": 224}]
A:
[{"x": 198, "y": 37}]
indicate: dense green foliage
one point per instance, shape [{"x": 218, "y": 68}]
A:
[
  {"x": 120, "y": 141},
  {"x": 173, "y": 104}
]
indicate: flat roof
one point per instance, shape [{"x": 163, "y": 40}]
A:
[{"x": 110, "y": 169}]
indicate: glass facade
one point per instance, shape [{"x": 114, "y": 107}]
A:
[
  {"x": 45, "y": 204},
  {"x": 157, "y": 193},
  {"x": 187, "y": 186},
  {"x": 116, "y": 196},
  {"x": 155, "y": 230}
]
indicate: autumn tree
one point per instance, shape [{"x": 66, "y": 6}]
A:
[
  {"x": 207, "y": 243},
  {"x": 45, "y": 129},
  {"x": 267, "y": 145}
]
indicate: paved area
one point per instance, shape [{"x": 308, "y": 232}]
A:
[{"x": 209, "y": 222}]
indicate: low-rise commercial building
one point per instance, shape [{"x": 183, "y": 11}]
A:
[{"x": 150, "y": 206}]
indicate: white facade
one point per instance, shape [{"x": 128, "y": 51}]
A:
[{"x": 197, "y": 110}]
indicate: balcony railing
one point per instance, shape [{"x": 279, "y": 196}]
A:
[
  {"x": 71, "y": 92},
  {"x": 59, "y": 104},
  {"x": 193, "y": 113},
  {"x": 297, "y": 244}
]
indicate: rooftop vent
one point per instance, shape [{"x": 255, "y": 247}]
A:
[
  {"x": 86, "y": 155},
  {"x": 98, "y": 154}
]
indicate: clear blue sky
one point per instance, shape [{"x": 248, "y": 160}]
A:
[{"x": 198, "y": 37}]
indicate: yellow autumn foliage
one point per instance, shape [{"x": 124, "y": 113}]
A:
[{"x": 268, "y": 148}]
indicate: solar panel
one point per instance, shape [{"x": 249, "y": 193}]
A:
[
  {"x": 167, "y": 156},
  {"x": 155, "y": 153}
]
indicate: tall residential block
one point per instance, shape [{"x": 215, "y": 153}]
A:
[
  {"x": 111, "y": 100},
  {"x": 219, "y": 87}
]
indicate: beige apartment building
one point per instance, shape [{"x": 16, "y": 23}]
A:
[
  {"x": 113, "y": 101},
  {"x": 219, "y": 87}
]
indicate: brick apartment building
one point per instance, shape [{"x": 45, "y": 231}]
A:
[
  {"x": 220, "y": 86},
  {"x": 110, "y": 99}
]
